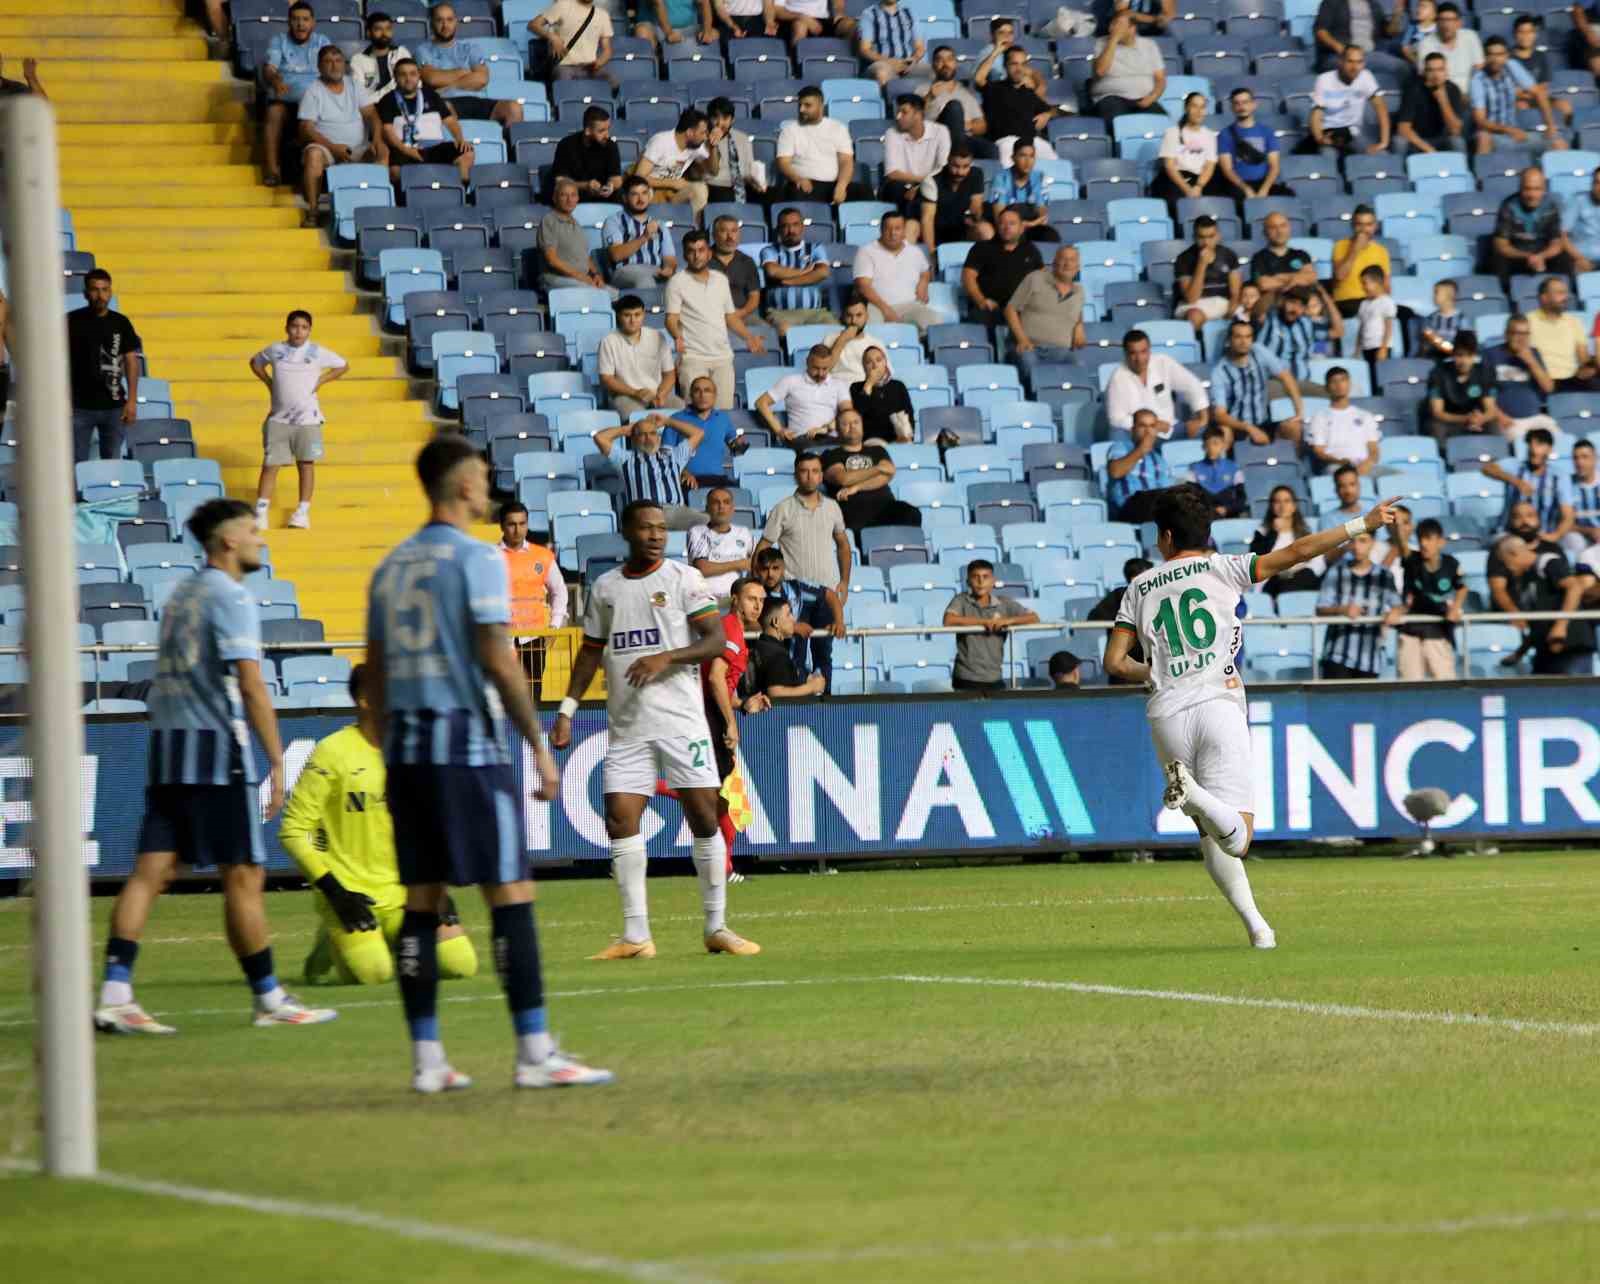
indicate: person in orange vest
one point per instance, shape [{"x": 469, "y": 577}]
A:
[{"x": 538, "y": 592}]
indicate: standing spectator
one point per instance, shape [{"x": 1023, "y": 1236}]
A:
[
  {"x": 1278, "y": 266},
  {"x": 1219, "y": 476},
  {"x": 700, "y": 313},
  {"x": 338, "y": 125},
  {"x": 1462, "y": 50},
  {"x": 675, "y": 162},
  {"x": 1499, "y": 88},
  {"x": 1355, "y": 588},
  {"x": 577, "y": 36},
  {"x": 815, "y": 155},
  {"x": 744, "y": 278},
  {"x": 1527, "y": 232},
  {"x": 956, "y": 107},
  {"x": 1433, "y": 113},
  {"x": 1339, "y": 106},
  {"x": 1559, "y": 339},
  {"x": 981, "y": 657},
  {"x": 1341, "y": 435},
  {"x": 1432, "y": 587},
  {"x": 1539, "y": 581},
  {"x": 1376, "y": 319},
  {"x": 1339, "y": 24},
  {"x": 811, "y": 401},
  {"x": 730, "y": 158},
  {"x": 1045, "y": 314},
  {"x": 1188, "y": 158},
  {"x": 538, "y": 590},
  {"x": 882, "y": 401},
  {"x": 103, "y": 350},
  {"x": 1461, "y": 393},
  {"x": 994, "y": 269},
  {"x": 1107, "y": 607},
  {"x": 815, "y": 610},
  {"x": 1247, "y": 152},
  {"x": 294, "y": 371},
  {"x": 718, "y": 439},
  {"x": 808, "y": 530},
  {"x": 589, "y": 157},
  {"x": 374, "y": 66},
  {"x": 893, "y": 277},
  {"x": 641, "y": 256},
  {"x": 1242, "y": 391},
  {"x": 676, "y": 21},
  {"x": 772, "y": 671},
  {"x": 1206, "y": 278},
  {"x": 719, "y": 550},
  {"x": 564, "y": 246},
  {"x": 1580, "y": 215},
  {"x": 1521, "y": 381},
  {"x": 1138, "y": 470},
  {"x": 1441, "y": 326},
  {"x": 1065, "y": 671},
  {"x": 458, "y": 69},
  {"x": 1289, "y": 333},
  {"x": 1020, "y": 187},
  {"x": 651, "y": 470},
  {"x": 1129, "y": 75},
  {"x": 291, "y": 53},
  {"x": 889, "y": 44},
  {"x": 419, "y": 127},
  {"x": 1284, "y": 524},
  {"x": 849, "y": 345},
  {"x": 913, "y": 152},
  {"x": 1534, "y": 481},
  {"x": 1354, "y": 255},
  {"x": 1153, "y": 381},
  {"x": 636, "y": 363},
  {"x": 952, "y": 203},
  {"x": 857, "y": 477},
  {"x": 795, "y": 271},
  {"x": 1014, "y": 106}
]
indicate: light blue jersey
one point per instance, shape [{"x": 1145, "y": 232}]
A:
[
  {"x": 197, "y": 728},
  {"x": 426, "y": 602},
  {"x": 458, "y": 55}
]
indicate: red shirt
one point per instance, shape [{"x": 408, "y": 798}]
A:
[{"x": 734, "y": 651}]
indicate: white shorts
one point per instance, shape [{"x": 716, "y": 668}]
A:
[
  {"x": 634, "y": 766},
  {"x": 1211, "y": 306},
  {"x": 1213, "y": 741}
]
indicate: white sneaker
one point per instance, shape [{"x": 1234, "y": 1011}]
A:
[
  {"x": 443, "y": 1079},
  {"x": 1176, "y": 797},
  {"x": 1263, "y": 938},
  {"x": 293, "y": 1012},
  {"x": 559, "y": 1071},
  {"x": 735, "y": 877},
  {"x": 300, "y": 519},
  {"x": 128, "y": 1018}
]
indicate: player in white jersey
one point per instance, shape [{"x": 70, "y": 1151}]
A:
[
  {"x": 653, "y": 622},
  {"x": 1182, "y": 612}
]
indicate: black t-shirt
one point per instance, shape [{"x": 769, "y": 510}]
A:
[
  {"x": 1268, "y": 262},
  {"x": 1535, "y": 64},
  {"x": 1000, "y": 271},
  {"x": 1540, "y": 590},
  {"x": 96, "y": 347},
  {"x": 1106, "y": 609},
  {"x": 877, "y": 409},
  {"x": 10, "y": 88},
  {"x": 1430, "y": 593},
  {"x": 1460, "y": 395},
  {"x": 743, "y": 277},
  {"x": 862, "y": 509},
  {"x": 1223, "y": 264},
  {"x": 770, "y": 666},
  {"x": 391, "y": 110},
  {"x": 954, "y": 201},
  {"x": 1009, "y": 109},
  {"x": 1497, "y": 569},
  {"x": 576, "y": 158},
  {"x": 1421, "y": 108}
]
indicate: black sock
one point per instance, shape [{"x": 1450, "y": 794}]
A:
[
  {"x": 258, "y": 971},
  {"x": 516, "y": 959},
  {"x": 417, "y": 967},
  {"x": 120, "y": 957}
]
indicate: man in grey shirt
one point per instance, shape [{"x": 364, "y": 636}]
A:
[
  {"x": 980, "y": 657},
  {"x": 564, "y": 261},
  {"x": 1128, "y": 72},
  {"x": 1046, "y": 313},
  {"x": 951, "y": 104}
]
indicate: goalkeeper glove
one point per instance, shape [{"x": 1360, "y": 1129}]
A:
[
  {"x": 354, "y": 909},
  {"x": 448, "y": 916}
]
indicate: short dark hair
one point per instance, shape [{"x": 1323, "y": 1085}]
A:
[
  {"x": 819, "y": 350},
  {"x": 810, "y": 91},
  {"x": 786, "y": 211},
  {"x": 1466, "y": 341},
  {"x": 1342, "y": 469},
  {"x": 1429, "y": 526},
  {"x": 743, "y": 582},
  {"x": 301, "y": 4},
  {"x": 1203, "y": 222},
  {"x": 512, "y": 507},
  {"x": 632, "y": 509},
  {"x": 1135, "y": 567},
  {"x": 298, "y": 312},
  {"x": 689, "y": 118},
  {"x": 694, "y": 236},
  {"x": 1184, "y": 512},
  {"x": 376, "y": 16},
  {"x": 1000, "y": 20},
  {"x": 1240, "y": 89},
  {"x": 1540, "y": 434},
  {"x": 1583, "y": 443},
  {"x": 97, "y": 274},
  {"x": 408, "y": 62},
  {"x": 1522, "y": 19},
  {"x": 1329, "y": 373},
  {"x": 909, "y": 100},
  {"x": 1024, "y": 142},
  {"x": 1493, "y": 41},
  {"x": 439, "y": 458},
  {"x": 1372, "y": 273},
  {"x": 1133, "y": 337},
  {"x": 1448, "y": 283},
  {"x": 326, "y": 50},
  {"x": 767, "y": 556},
  {"x": 627, "y": 303},
  {"x": 719, "y": 107},
  {"x": 594, "y": 115},
  {"x": 633, "y": 181},
  {"x": 809, "y": 456},
  {"x": 205, "y": 521},
  {"x": 358, "y": 675},
  {"x": 1448, "y": 7},
  {"x": 1543, "y": 285},
  {"x": 1362, "y": 209},
  {"x": 775, "y": 607},
  {"x": 939, "y": 49},
  {"x": 979, "y": 564},
  {"x": 1241, "y": 321},
  {"x": 1213, "y": 430},
  {"x": 1434, "y": 57},
  {"x": 960, "y": 149},
  {"x": 1062, "y": 663}
]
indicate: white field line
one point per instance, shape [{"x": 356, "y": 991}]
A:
[{"x": 459, "y": 1237}]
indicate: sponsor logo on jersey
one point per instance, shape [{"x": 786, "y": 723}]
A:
[
  {"x": 633, "y": 639},
  {"x": 658, "y": 600}
]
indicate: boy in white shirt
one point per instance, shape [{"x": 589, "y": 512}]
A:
[
  {"x": 292, "y": 432},
  {"x": 1376, "y": 318}
]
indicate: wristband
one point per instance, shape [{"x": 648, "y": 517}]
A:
[
  {"x": 569, "y": 706},
  {"x": 1355, "y": 526}
]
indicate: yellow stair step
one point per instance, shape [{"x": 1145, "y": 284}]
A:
[
  {"x": 159, "y": 109},
  {"x": 228, "y": 363},
  {"x": 186, "y": 195},
  {"x": 338, "y": 331},
  {"x": 141, "y": 179},
  {"x": 311, "y": 258},
  {"x": 116, "y": 134},
  {"x": 21, "y": 9},
  {"x": 86, "y": 158},
  {"x": 106, "y": 73},
  {"x": 203, "y": 275},
  {"x": 276, "y": 306},
  {"x": 172, "y": 244},
  {"x": 125, "y": 217},
  {"x": 68, "y": 51},
  {"x": 346, "y": 392},
  {"x": 169, "y": 23},
  {"x": 353, "y": 348}
]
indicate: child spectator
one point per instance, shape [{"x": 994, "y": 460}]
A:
[
  {"x": 1422, "y": 25},
  {"x": 980, "y": 657},
  {"x": 1433, "y": 587},
  {"x": 1376, "y": 318},
  {"x": 1525, "y": 50},
  {"x": 1322, "y": 315},
  {"x": 1249, "y": 301},
  {"x": 1440, "y": 327},
  {"x": 1217, "y": 475}
]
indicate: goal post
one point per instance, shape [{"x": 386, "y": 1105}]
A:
[{"x": 55, "y": 695}]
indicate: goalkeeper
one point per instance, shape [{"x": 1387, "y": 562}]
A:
[{"x": 337, "y": 827}]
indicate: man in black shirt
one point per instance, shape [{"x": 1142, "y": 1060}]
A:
[
  {"x": 858, "y": 477},
  {"x": 1433, "y": 112},
  {"x": 994, "y": 269},
  {"x": 1540, "y": 581},
  {"x": 103, "y": 349},
  {"x": 1107, "y": 607},
  {"x": 1012, "y": 107},
  {"x": 1279, "y": 266},
  {"x": 1206, "y": 281},
  {"x": 414, "y": 137},
  {"x": 771, "y": 671},
  {"x": 1461, "y": 393},
  {"x": 1433, "y": 588},
  {"x": 956, "y": 213},
  {"x": 589, "y": 158}
]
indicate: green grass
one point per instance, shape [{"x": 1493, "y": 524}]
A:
[{"x": 843, "y": 1125}]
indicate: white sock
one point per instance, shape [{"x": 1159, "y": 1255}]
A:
[
  {"x": 1227, "y": 872},
  {"x": 263, "y": 507},
  {"x": 302, "y": 508},
  {"x": 428, "y": 1054},
  {"x": 628, "y": 863},
  {"x": 113, "y": 994},
  {"x": 272, "y": 1000},
  {"x": 711, "y": 868},
  {"x": 1218, "y": 820},
  {"x": 534, "y": 1048}
]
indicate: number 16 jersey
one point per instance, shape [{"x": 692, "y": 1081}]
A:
[{"x": 1184, "y": 614}]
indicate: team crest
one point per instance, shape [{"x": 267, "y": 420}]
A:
[{"x": 658, "y": 600}]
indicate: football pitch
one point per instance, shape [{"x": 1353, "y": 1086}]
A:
[{"x": 1026, "y": 1073}]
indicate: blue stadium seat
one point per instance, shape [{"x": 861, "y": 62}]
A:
[{"x": 99, "y": 479}]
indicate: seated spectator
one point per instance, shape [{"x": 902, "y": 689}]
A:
[
  {"x": 419, "y": 127},
  {"x": 849, "y": 345},
  {"x": 636, "y": 364},
  {"x": 991, "y": 68},
  {"x": 458, "y": 69},
  {"x": 1065, "y": 672},
  {"x": 1423, "y": 23},
  {"x": 730, "y": 158},
  {"x": 292, "y": 53},
  {"x": 1377, "y": 320},
  {"x": 806, "y": 18},
  {"x": 564, "y": 246},
  {"x": 1138, "y": 470},
  {"x": 719, "y": 550},
  {"x": 1340, "y": 24},
  {"x": 1535, "y": 482},
  {"x": 893, "y": 277},
  {"x": 1206, "y": 277},
  {"x": 882, "y": 402},
  {"x": 1354, "y": 255},
  {"x": 1525, "y": 50},
  {"x": 1014, "y": 106},
  {"x": 1461, "y": 393},
  {"x": 795, "y": 271},
  {"x": 956, "y": 107},
  {"x": 1559, "y": 338},
  {"x": 1045, "y": 314},
  {"x": 888, "y": 42},
  {"x": 1432, "y": 587},
  {"x": 1247, "y": 152},
  {"x": 740, "y": 17},
  {"x": 952, "y": 204},
  {"x": 811, "y": 401},
  {"x": 1187, "y": 161},
  {"x": 718, "y": 440},
  {"x": 1585, "y": 497},
  {"x": 818, "y": 610},
  {"x": 1433, "y": 113},
  {"x": 652, "y": 470},
  {"x": 1020, "y": 187},
  {"x": 1152, "y": 381},
  {"x": 1521, "y": 381},
  {"x": 815, "y": 155},
  {"x": 981, "y": 657},
  {"x": 1129, "y": 75},
  {"x": 1356, "y": 588},
  {"x": 338, "y": 125},
  {"x": 913, "y": 152},
  {"x": 994, "y": 269},
  {"x": 1538, "y": 581},
  {"x": 1499, "y": 89},
  {"x": 744, "y": 278},
  {"x": 857, "y": 477},
  {"x": 1341, "y": 435},
  {"x": 1347, "y": 488},
  {"x": 1218, "y": 475},
  {"x": 589, "y": 157},
  {"x": 375, "y": 65},
  {"x": 1528, "y": 238},
  {"x": 700, "y": 316},
  {"x": 1108, "y": 607},
  {"x": 1242, "y": 390},
  {"x": 1279, "y": 266},
  {"x": 674, "y": 162},
  {"x": 676, "y": 21},
  {"x": 1289, "y": 333},
  {"x": 772, "y": 672},
  {"x": 1339, "y": 107},
  {"x": 1462, "y": 50},
  {"x": 577, "y": 37},
  {"x": 637, "y": 245},
  {"x": 1284, "y": 524},
  {"x": 1580, "y": 216},
  {"x": 1440, "y": 327}
]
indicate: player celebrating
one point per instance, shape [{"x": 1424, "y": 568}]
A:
[
  {"x": 337, "y": 827},
  {"x": 201, "y": 807},
  {"x": 1177, "y": 611},
  {"x": 438, "y": 655},
  {"x": 650, "y": 619}
]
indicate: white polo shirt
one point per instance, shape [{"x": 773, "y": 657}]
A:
[
  {"x": 702, "y": 309},
  {"x": 808, "y": 404},
  {"x": 924, "y": 157},
  {"x": 1126, "y": 395},
  {"x": 893, "y": 276},
  {"x": 641, "y": 364},
  {"x": 1344, "y": 434},
  {"x": 814, "y": 150}
]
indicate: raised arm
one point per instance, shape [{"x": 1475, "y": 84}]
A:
[{"x": 1321, "y": 543}]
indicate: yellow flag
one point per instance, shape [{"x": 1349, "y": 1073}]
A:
[{"x": 738, "y": 801}]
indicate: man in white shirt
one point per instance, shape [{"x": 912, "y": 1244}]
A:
[
  {"x": 1343, "y": 434},
  {"x": 812, "y": 401},
  {"x": 849, "y": 345},
  {"x": 719, "y": 550},
  {"x": 816, "y": 157},
  {"x": 893, "y": 277},
  {"x": 700, "y": 313},
  {"x": 1148, "y": 381},
  {"x": 913, "y": 152},
  {"x": 1339, "y": 107},
  {"x": 293, "y": 371},
  {"x": 637, "y": 366},
  {"x": 674, "y": 162},
  {"x": 1462, "y": 50}
]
